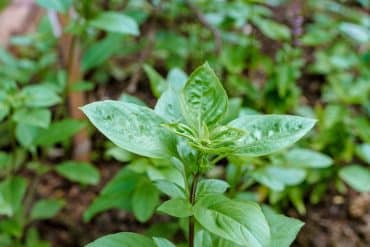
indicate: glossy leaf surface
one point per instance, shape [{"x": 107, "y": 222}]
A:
[
  {"x": 266, "y": 134},
  {"x": 132, "y": 127}
]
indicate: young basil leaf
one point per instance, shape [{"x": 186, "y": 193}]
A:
[
  {"x": 170, "y": 189},
  {"x": 266, "y": 134},
  {"x": 12, "y": 191},
  {"x": 126, "y": 239},
  {"x": 100, "y": 51},
  {"x": 182, "y": 130},
  {"x": 131, "y": 99},
  {"x": 144, "y": 200},
  {"x": 283, "y": 229},
  {"x": 300, "y": 157},
  {"x": 363, "y": 152},
  {"x": 168, "y": 106},
  {"x": 46, "y": 209},
  {"x": 176, "y": 78},
  {"x": 116, "y": 194},
  {"x": 203, "y": 98},
  {"x": 276, "y": 178},
  {"x": 161, "y": 242},
  {"x": 132, "y": 127},
  {"x": 211, "y": 186},
  {"x": 58, "y": 132},
  {"x": 157, "y": 83},
  {"x": 34, "y": 117},
  {"x": 358, "y": 177},
  {"x": 177, "y": 207},
  {"x": 26, "y": 134},
  {"x": 40, "y": 96},
  {"x": 240, "y": 222},
  {"x": 106, "y": 202},
  {"x": 118, "y": 154},
  {"x": 233, "y": 110},
  {"x": 203, "y": 239},
  {"x": 80, "y": 172},
  {"x": 115, "y": 22}
]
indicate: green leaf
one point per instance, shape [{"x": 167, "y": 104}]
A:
[
  {"x": 82, "y": 86},
  {"x": 144, "y": 200},
  {"x": 123, "y": 239},
  {"x": 4, "y": 111},
  {"x": 119, "y": 154},
  {"x": 116, "y": 194},
  {"x": 276, "y": 178},
  {"x": 203, "y": 239},
  {"x": 34, "y": 117},
  {"x": 101, "y": 51},
  {"x": 12, "y": 191},
  {"x": 12, "y": 227},
  {"x": 46, "y": 208},
  {"x": 240, "y": 222},
  {"x": 161, "y": 242},
  {"x": 5, "y": 162},
  {"x": 211, "y": 186},
  {"x": 203, "y": 99},
  {"x": 57, "y": 5},
  {"x": 170, "y": 189},
  {"x": 5, "y": 207},
  {"x": 26, "y": 134},
  {"x": 233, "y": 110},
  {"x": 131, "y": 99},
  {"x": 40, "y": 96},
  {"x": 359, "y": 33},
  {"x": 266, "y": 134},
  {"x": 58, "y": 132},
  {"x": 106, "y": 202},
  {"x": 157, "y": 83},
  {"x": 357, "y": 177},
  {"x": 283, "y": 229},
  {"x": 80, "y": 172},
  {"x": 33, "y": 239},
  {"x": 177, "y": 79},
  {"x": 363, "y": 151},
  {"x": 272, "y": 29},
  {"x": 177, "y": 207},
  {"x": 115, "y": 22},
  {"x": 300, "y": 157},
  {"x": 132, "y": 127},
  {"x": 168, "y": 106}
]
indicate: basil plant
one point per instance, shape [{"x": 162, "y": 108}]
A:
[{"x": 190, "y": 126}]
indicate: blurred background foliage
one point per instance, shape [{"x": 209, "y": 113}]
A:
[{"x": 310, "y": 58}]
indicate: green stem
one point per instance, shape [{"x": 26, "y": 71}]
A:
[{"x": 193, "y": 191}]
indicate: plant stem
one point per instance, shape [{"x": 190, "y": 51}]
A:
[{"x": 193, "y": 191}]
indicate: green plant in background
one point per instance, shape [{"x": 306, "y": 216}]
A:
[
  {"x": 340, "y": 35},
  {"x": 186, "y": 128},
  {"x": 32, "y": 123}
]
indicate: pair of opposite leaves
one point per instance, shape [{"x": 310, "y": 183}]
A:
[{"x": 201, "y": 100}]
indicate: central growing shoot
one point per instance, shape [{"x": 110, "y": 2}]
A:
[{"x": 193, "y": 126}]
